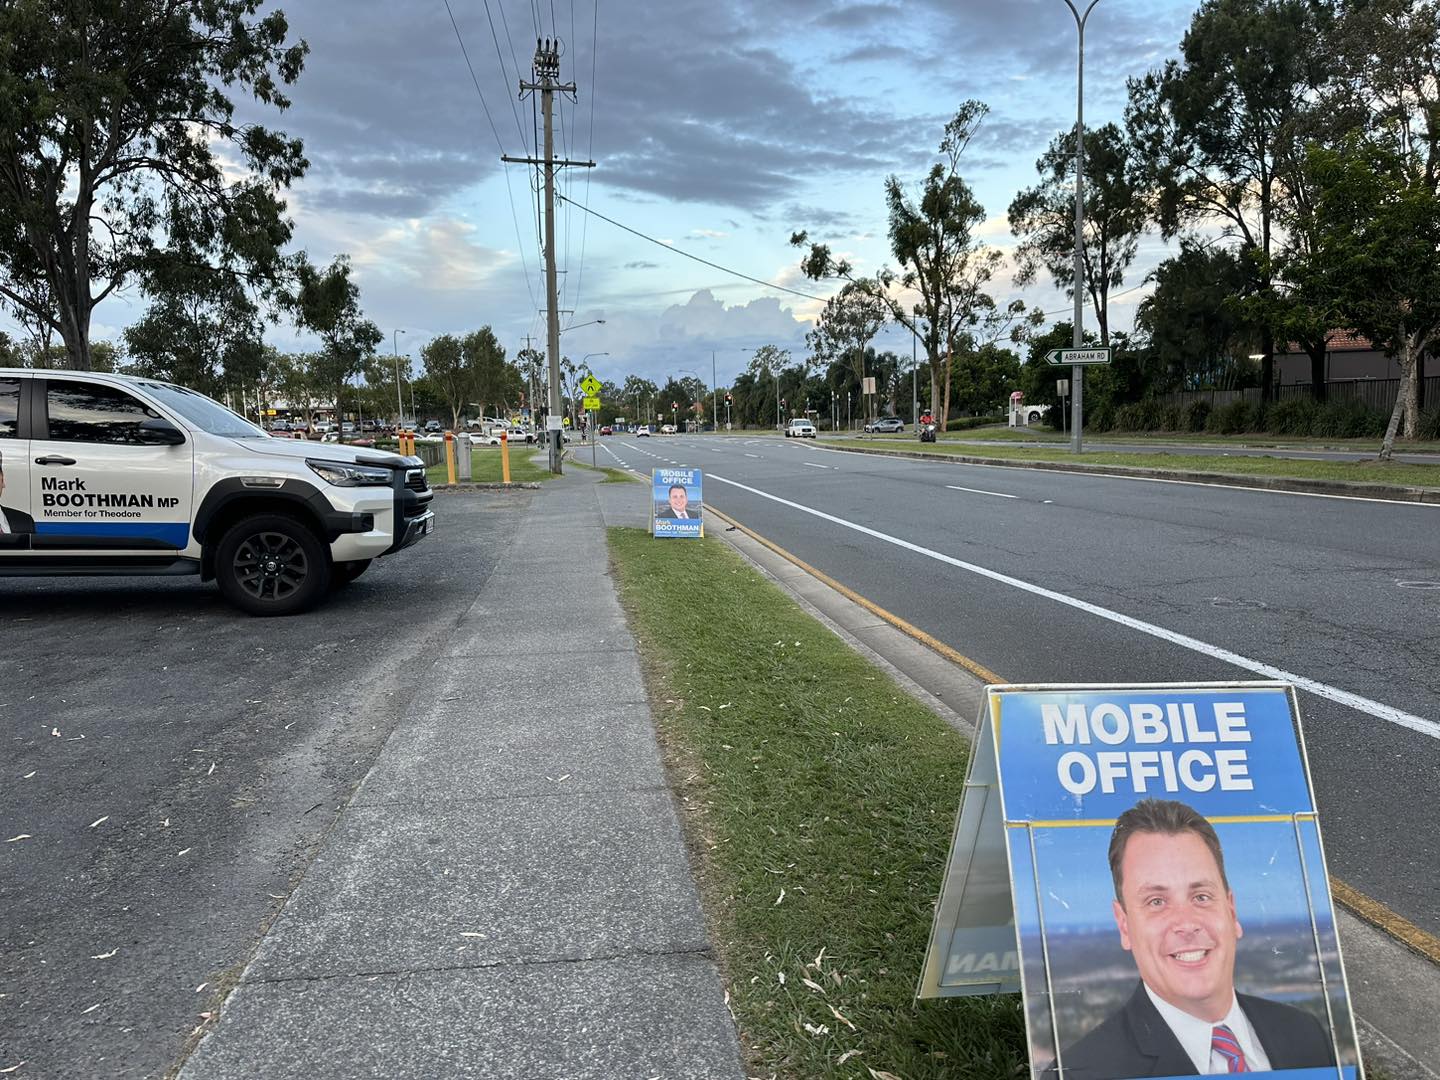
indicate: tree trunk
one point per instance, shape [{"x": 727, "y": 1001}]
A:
[
  {"x": 1319, "y": 389},
  {"x": 1410, "y": 386},
  {"x": 1267, "y": 366},
  {"x": 1420, "y": 378},
  {"x": 1407, "y": 370}
]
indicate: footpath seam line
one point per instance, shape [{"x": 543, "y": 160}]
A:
[{"x": 1363, "y": 907}]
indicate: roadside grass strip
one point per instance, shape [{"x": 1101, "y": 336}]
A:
[
  {"x": 819, "y": 801},
  {"x": 485, "y": 468},
  {"x": 1397, "y": 474}
]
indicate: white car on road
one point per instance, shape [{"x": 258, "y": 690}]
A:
[
  {"x": 800, "y": 429},
  {"x": 643, "y": 431}
]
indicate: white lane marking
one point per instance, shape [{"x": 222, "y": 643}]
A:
[
  {"x": 1344, "y": 697},
  {"x": 814, "y": 466},
  {"x": 756, "y": 456},
  {"x": 978, "y": 491},
  {"x": 1142, "y": 479}
]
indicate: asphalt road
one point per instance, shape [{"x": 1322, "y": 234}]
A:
[
  {"x": 1062, "y": 577},
  {"x": 174, "y": 766}
]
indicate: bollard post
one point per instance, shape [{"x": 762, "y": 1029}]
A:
[
  {"x": 504, "y": 457},
  {"x": 462, "y": 451},
  {"x": 450, "y": 455}
]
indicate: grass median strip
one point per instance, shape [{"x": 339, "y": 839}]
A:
[
  {"x": 819, "y": 803},
  {"x": 485, "y": 468},
  {"x": 1395, "y": 474}
]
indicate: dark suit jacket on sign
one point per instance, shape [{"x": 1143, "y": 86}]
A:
[
  {"x": 691, "y": 514},
  {"x": 1136, "y": 1042},
  {"x": 19, "y": 523}
]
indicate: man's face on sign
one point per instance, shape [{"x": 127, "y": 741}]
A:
[
  {"x": 1178, "y": 920},
  {"x": 679, "y": 500}
]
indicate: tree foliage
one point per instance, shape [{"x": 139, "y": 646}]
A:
[
  {"x": 1116, "y": 210},
  {"x": 116, "y": 122}
]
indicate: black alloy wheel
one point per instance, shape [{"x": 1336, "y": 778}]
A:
[{"x": 272, "y": 564}]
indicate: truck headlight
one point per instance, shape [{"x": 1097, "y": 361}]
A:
[{"x": 348, "y": 474}]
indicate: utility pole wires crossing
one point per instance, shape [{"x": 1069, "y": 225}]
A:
[{"x": 546, "y": 82}]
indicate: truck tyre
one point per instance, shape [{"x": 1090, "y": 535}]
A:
[
  {"x": 272, "y": 564},
  {"x": 343, "y": 573}
]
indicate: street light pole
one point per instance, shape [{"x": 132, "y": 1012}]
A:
[
  {"x": 399, "y": 401},
  {"x": 1077, "y": 375}
]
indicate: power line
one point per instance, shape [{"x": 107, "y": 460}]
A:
[
  {"x": 696, "y": 258},
  {"x": 514, "y": 215},
  {"x": 589, "y": 144},
  {"x": 499, "y": 57}
]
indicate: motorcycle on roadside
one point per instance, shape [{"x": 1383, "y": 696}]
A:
[{"x": 927, "y": 428}]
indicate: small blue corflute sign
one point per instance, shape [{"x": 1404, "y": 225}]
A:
[{"x": 676, "y": 502}]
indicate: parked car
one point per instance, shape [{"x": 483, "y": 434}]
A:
[
  {"x": 642, "y": 431},
  {"x": 886, "y": 425},
  {"x": 142, "y": 477},
  {"x": 667, "y": 429},
  {"x": 280, "y": 425},
  {"x": 433, "y": 427},
  {"x": 606, "y": 429},
  {"x": 800, "y": 429}
]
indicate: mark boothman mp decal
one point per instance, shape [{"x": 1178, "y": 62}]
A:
[{"x": 56, "y": 493}]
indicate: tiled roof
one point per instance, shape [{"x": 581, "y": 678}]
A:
[{"x": 1339, "y": 341}]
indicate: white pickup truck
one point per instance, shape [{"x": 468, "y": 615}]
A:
[{"x": 110, "y": 474}]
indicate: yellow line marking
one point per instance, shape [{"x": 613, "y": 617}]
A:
[
  {"x": 1348, "y": 897},
  {"x": 978, "y": 670},
  {"x": 1382, "y": 918}
]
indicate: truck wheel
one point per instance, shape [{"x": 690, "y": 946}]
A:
[
  {"x": 343, "y": 573},
  {"x": 272, "y": 564}
]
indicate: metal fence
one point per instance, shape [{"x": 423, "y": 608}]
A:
[{"x": 1378, "y": 394}]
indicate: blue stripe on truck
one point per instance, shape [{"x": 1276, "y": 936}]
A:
[{"x": 176, "y": 534}]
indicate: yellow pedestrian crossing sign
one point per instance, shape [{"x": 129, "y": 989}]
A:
[
  {"x": 591, "y": 386},
  {"x": 592, "y": 404}
]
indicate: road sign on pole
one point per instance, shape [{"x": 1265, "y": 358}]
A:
[
  {"x": 1076, "y": 357},
  {"x": 590, "y": 385},
  {"x": 592, "y": 404}
]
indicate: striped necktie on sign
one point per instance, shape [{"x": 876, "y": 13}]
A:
[{"x": 1224, "y": 1043}]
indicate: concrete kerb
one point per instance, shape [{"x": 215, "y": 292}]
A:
[{"x": 1269, "y": 483}]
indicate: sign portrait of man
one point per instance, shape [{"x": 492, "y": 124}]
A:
[{"x": 1177, "y": 917}]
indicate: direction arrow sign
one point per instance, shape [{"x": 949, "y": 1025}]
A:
[
  {"x": 591, "y": 386},
  {"x": 1066, "y": 357}
]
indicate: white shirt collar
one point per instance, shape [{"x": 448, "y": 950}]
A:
[
  {"x": 1195, "y": 1035},
  {"x": 4, "y": 523}
]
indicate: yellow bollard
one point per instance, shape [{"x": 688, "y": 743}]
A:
[
  {"x": 504, "y": 457},
  {"x": 450, "y": 455}
]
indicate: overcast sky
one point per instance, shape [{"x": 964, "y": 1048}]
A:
[{"x": 718, "y": 126}]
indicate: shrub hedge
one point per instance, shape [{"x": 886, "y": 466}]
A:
[{"x": 1295, "y": 416}]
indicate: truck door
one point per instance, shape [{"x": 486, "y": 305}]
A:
[
  {"x": 16, "y": 522},
  {"x": 97, "y": 482}
]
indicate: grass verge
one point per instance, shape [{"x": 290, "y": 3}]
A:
[
  {"x": 820, "y": 801},
  {"x": 485, "y": 468},
  {"x": 1250, "y": 440},
  {"x": 1395, "y": 474}
]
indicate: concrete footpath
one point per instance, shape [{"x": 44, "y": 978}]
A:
[{"x": 508, "y": 893}]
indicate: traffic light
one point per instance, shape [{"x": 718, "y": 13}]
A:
[
  {"x": 782, "y": 403},
  {"x": 727, "y": 399}
]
